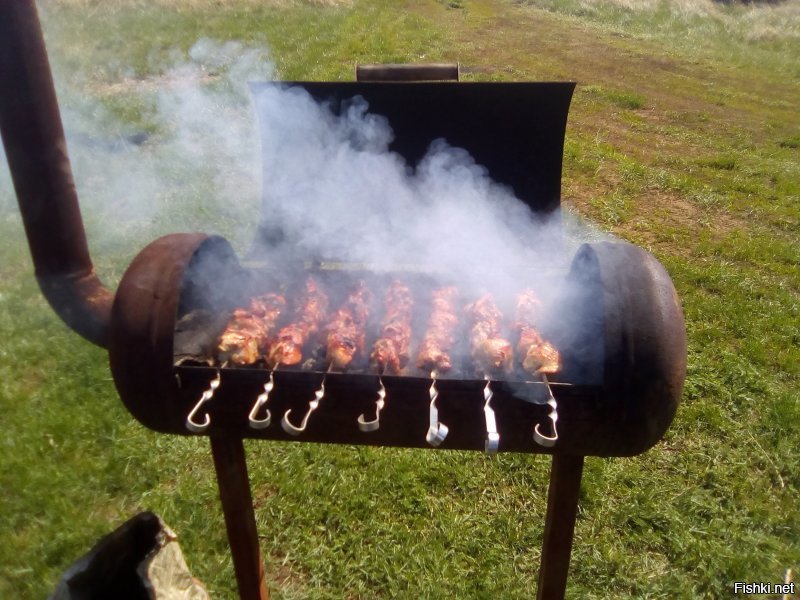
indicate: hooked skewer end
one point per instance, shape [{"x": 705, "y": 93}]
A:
[
  {"x": 263, "y": 398},
  {"x": 545, "y": 440},
  {"x": 287, "y": 426},
  {"x": 193, "y": 425},
  {"x": 437, "y": 434},
  {"x": 548, "y": 441},
  {"x": 373, "y": 425},
  {"x": 368, "y": 426}
]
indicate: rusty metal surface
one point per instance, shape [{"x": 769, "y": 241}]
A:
[
  {"x": 408, "y": 72},
  {"x": 230, "y": 465},
  {"x": 639, "y": 331},
  {"x": 644, "y": 344},
  {"x": 559, "y": 527},
  {"x": 143, "y": 324},
  {"x": 33, "y": 137}
]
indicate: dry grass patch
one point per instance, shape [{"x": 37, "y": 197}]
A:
[
  {"x": 170, "y": 81},
  {"x": 195, "y": 4}
]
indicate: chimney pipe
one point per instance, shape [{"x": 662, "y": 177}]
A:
[{"x": 36, "y": 150}]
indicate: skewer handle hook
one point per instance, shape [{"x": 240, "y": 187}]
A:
[
  {"x": 199, "y": 427},
  {"x": 374, "y": 425},
  {"x": 548, "y": 441},
  {"x": 437, "y": 432},
  {"x": 312, "y": 406},
  {"x": 263, "y": 398},
  {"x": 492, "y": 442}
]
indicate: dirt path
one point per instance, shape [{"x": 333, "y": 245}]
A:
[{"x": 679, "y": 108}]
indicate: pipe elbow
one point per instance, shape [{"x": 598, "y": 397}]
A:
[{"x": 82, "y": 302}]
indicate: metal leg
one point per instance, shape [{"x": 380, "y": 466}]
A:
[
  {"x": 562, "y": 509},
  {"x": 240, "y": 520}
]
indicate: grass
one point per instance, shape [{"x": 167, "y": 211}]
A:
[{"x": 683, "y": 138}]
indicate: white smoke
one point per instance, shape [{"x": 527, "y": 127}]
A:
[
  {"x": 191, "y": 161},
  {"x": 334, "y": 188},
  {"x": 187, "y": 160},
  {"x": 210, "y": 157}
]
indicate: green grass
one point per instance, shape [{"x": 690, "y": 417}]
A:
[
  {"x": 747, "y": 34},
  {"x": 620, "y": 99},
  {"x": 683, "y": 138}
]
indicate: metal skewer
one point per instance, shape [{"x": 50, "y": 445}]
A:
[
  {"x": 538, "y": 436},
  {"x": 492, "y": 442},
  {"x": 437, "y": 431},
  {"x": 374, "y": 425},
  {"x": 312, "y": 406},
  {"x": 191, "y": 424},
  {"x": 262, "y": 399}
]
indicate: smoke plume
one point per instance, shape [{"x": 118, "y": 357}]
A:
[
  {"x": 335, "y": 191},
  {"x": 205, "y": 154}
]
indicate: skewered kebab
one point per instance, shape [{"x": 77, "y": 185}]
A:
[
  {"x": 434, "y": 352},
  {"x": 390, "y": 352},
  {"x": 345, "y": 333},
  {"x": 243, "y": 342},
  {"x": 536, "y": 355},
  {"x": 344, "y": 339},
  {"x": 245, "y": 338},
  {"x": 287, "y": 348},
  {"x": 491, "y": 353}
]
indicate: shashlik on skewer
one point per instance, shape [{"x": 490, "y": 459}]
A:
[
  {"x": 491, "y": 353},
  {"x": 391, "y": 350},
  {"x": 434, "y": 353},
  {"x": 345, "y": 333},
  {"x": 536, "y": 355},
  {"x": 287, "y": 348},
  {"x": 437, "y": 344},
  {"x": 344, "y": 338},
  {"x": 246, "y": 336},
  {"x": 250, "y": 333}
]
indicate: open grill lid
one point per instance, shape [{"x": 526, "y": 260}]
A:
[{"x": 515, "y": 130}]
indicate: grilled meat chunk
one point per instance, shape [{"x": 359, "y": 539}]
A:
[
  {"x": 345, "y": 333},
  {"x": 390, "y": 352},
  {"x": 309, "y": 313},
  {"x": 491, "y": 353},
  {"x": 536, "y": 355},
  {"x": 439, "y": 339},
  {"x": 246, "y": 336}
]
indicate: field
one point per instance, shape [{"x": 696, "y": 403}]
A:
[{"x": 683, "y": 137}]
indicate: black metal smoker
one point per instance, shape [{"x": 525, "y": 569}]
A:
[{"x": 517, "y": 132}]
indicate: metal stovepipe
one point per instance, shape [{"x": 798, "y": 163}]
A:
[{"x": 36, "y": 149}]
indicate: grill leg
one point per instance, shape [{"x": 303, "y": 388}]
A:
[
  {"x": 562, "y": 509},
  {"x": 240, "y": 521}
]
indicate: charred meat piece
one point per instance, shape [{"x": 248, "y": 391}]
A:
[
  {"x": 537, "y": 356},
  {"x": 246, "y": 336},
  {"x": 390, "y": 352},
  {"x": 345, "y": 333},
  {"x": 491, "y": 353},
  {"x": 434, "y": 351},
  {"x": 309, "y": 312}
]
